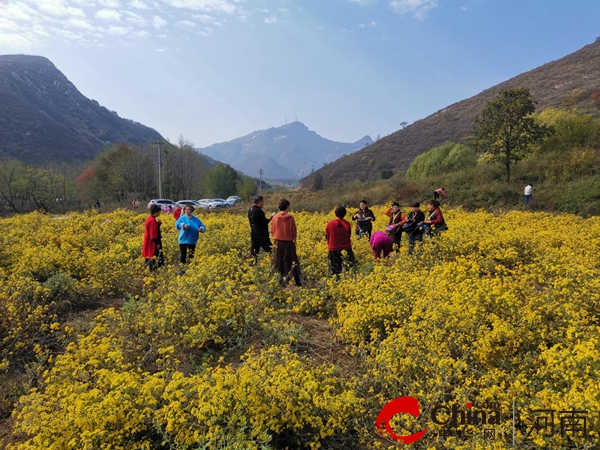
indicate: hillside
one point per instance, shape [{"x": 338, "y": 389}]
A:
[
  {"x": 285, "y": 152},
  {"x": 43, "y": 117},
  {"x": 569, "y": 81}
]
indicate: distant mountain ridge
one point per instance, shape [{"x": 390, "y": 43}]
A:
[
  {"x": 44, "y": 118},
  {"x": 283, "y": 153},
  {"x": 566, "y": 82}
]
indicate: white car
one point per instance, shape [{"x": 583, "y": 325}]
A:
[
  {"x": 209, "y": 203},
  {"x": 162, "y": 202},
  {"x": 224, "y": 203},
  {"x": 195, "y": 203},
  {"x": 234, "y": 199}
]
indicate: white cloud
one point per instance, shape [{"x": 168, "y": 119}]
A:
[
  {"x": 185, "y": 24},
  {"x": 418, "y": 8},
  {"x": 162, "y": 36},
  {"x": 271, "y": 20},
  {"x": 139, "y": 4},
  {"x": 108, "y": 14},
  {"x": 118, "y": 31},
  {"x": 207, "y": 31},
  {"x": 79, "y": 23},
  {"x": 372, "y": 23},
  {"x": 204, "y": 18},
  {"x": 110, "y": 3},
  {"x": 224, "y": 6},
  {"x": 58, "y": 8},
  {"x": 141, "y": 34},
  {"x": 158, "y": 22},
  {"x": 8, "y": 26},
  {"x": 17, "y": 11},
  {"x": 135, "y": 19},
  {"x": 160, "y": 49},
  {"x": 69, "y": 35}
]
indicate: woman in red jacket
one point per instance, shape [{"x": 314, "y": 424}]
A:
[
  {"x": 284, "y": 258},
  {"x": 152, "y": 245},
  {"x": 435, "y": 221}
]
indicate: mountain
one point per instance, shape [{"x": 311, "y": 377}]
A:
[
  {"x": 44, "y": 118},
  {"x": 283, "y": 153},
  {"x": 572, "y": 81}
]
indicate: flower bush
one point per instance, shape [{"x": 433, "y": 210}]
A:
[{"x": 500, "y": 308}]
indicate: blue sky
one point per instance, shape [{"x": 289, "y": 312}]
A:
[{"x": 214, "y": 70}]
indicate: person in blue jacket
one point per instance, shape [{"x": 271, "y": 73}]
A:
[{"x": 190, "y": 227}]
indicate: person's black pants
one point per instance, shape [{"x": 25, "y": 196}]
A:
[
  {"x": 187, "y": 251},
  {"x": 337, "y": 261},
  {"x": 257, "y": 243}
]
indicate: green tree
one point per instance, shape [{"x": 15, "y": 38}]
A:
[
  {"x": 318, "y": 182},
  {"x": 13, "y": 184},
  {"x": 221, "y": 181},
  {"x": 246, "y": 188},
  {"x": 448, "y": 158},
  {"x": 571, "y": 130},
  {"x": 117, "y": 173},
  {"x": 506, "y": 128}
]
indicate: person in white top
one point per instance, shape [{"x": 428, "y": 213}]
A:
[{"x": 528, "y": 194}]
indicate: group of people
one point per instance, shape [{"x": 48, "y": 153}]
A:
[
  {"x": 282, "y": 227},
  {"x": 284, "y": 258},
  {"x": 415, "y": 225},
  {"x": 338, "y": 233},
  {"x": 189, "y": 227}
]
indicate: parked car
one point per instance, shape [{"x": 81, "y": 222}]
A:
[
  {"x": 195, "y": 203},
  {"x": 234, "y": 199},
  {"x": 224, "y": 203},
  {"x": 162, "y": 202},
  {"x": 210, "y": 203},
  {"x": 216, "y": 203}
]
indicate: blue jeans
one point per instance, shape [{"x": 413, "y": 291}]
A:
[
  {"x": 411, "y": 240},
  {"x": 527, "y": 199}
]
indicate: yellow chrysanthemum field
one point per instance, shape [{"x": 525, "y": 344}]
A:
[{"x": 500, "y": 310}]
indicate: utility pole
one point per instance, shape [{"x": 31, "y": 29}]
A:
[
  {"x": 158, "y": 142},
  {"x": 260, "y": 174}
]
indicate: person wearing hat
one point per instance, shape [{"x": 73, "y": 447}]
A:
[{"x": 190, "y": 228}]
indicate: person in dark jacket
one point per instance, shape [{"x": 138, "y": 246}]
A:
[
  {"x": 394, "y": 228},
  {"x": 411, "y": 227},
  {"x": 259, "y": 228},
  {"x": 338, "y": 233},
  {"x": 364, "y": 220}
]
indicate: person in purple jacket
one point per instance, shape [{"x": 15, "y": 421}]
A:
[{"x": 381, "y": 242}]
